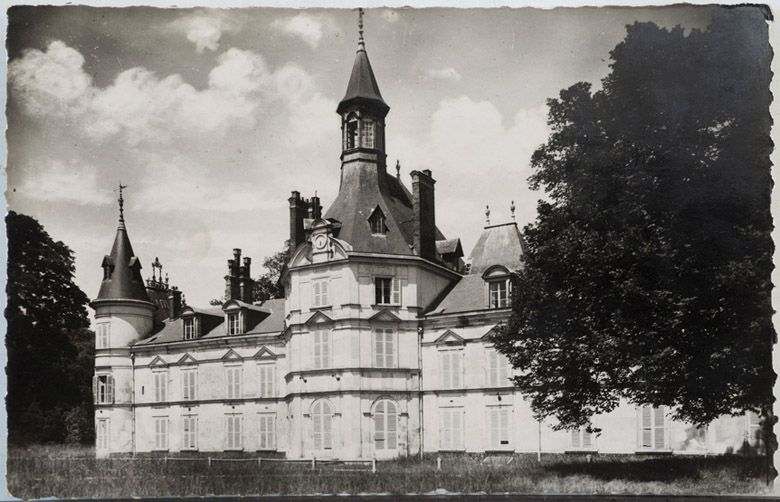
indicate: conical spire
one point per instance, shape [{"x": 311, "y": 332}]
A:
[
  {"x": 122, "y": 269},
  {"x": 362, "y": 87}
]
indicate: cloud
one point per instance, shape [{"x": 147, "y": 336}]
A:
[
  {"x": 307, "y": 27},
  {"x": 390, "y": 16},
  {"x": 448, "y": 73},
  {"x": 140, "y": 107},
  {"x": 66, "y": 182},
  {"x": 205, "y": 28}
]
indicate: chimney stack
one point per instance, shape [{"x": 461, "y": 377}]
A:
[
  {"x": 424, "y": 214},
  {"x": 174, "y": 303},
  {"x": 298, "y": 212},
  {"x": 232, "y": 287},
  {"x": 246, "y": 282}
]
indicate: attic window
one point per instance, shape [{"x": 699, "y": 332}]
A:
[
  {"x": 189, "y": 328},
  {"x": 351, "y": 133},
  {"x": 377, "y": 222}
]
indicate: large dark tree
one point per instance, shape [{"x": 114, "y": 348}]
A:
[
  {"x": 267, "y": 286},
  {"x": 50, "y": 348},
  {"x": 648, "y": 269}
]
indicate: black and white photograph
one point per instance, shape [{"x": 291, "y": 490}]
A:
[{"x": 389, "y": 251}]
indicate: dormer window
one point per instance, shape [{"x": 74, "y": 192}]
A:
[
  {"x": 233, "y": 323},
  {"x": 377, "y": 222},
  {"x": 499, "y": 286},
  {"x": 189, "y": 328}
]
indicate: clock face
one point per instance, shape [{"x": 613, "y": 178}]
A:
[{"x": 320, "y": 241}]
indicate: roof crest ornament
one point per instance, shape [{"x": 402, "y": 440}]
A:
[
  {"x": 397, "y": 168},
  {"x": 512, "y": 209},
  {"x": 487, "y": 214},
  {"x": 121, "y": 206},
  {"x": 361, "y": 42}
]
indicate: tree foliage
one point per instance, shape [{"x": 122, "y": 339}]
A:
[
  {"x": 647, "y": 275},
  {"x": 267, "y": 286},
  {"x": 50, "y": 348}
]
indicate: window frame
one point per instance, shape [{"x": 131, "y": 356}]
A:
[
  {"x": 266, "y": 376},
  {"x": 103, "y": 434},
  {"x": 452, "y": 438},
  {"x": 497, "y": 367},
  {"x": 161, "y": 436},
  {"x": 385, "y": 439},
  {"x": 103, "y": 388},
  {"x": 189, "y": 384},
  {"x": 322, "y": 353},
  {"x": 451, "y": 354},
  {"x": 234, "y": 430},
  {"x": 189, "y": 430},
  {"x": 385, "y": 358},
  {"x": 267, "y": 431},
  {"x": 234, "y": 375},
  {"x": 500, "y": 435},
  {"x": 160, "y": 386},
  {"x": 322, "y": 439},
  {"x": 320, "y": 298},
  {"x": 103, "y": 335},
  {"x": 577, "y": 439},
  {"x": 392, "y": 293},
  {"x": 234, "y": 323},
  {"x": 653, "y": 428},
  {"x": 502, "y": 301},
  {"x": 189, "y": 322}
]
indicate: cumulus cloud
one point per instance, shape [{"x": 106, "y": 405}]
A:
[
  {"x": 390, "y": 16},
  {"x": 140, "y": 106},
  {"x": 205, "y": 28},
  {"x": 66, "y": 182},
  {"x": 309, "y": 28},
  {"x": 448, "y": 73}
]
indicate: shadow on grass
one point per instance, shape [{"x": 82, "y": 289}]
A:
[{"x": 663, "y": 469}]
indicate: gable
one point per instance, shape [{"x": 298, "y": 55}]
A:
[
  {"x": 384, "y": 315},
  {"x": 318, "y": 318},
  {"x": 264, "y": 353},
  {"x": 187, "y": 359},
  {"x": 449, "y": 337},
  {"x": 231, "y": 355},
  {"x": 158, "y": 362}
]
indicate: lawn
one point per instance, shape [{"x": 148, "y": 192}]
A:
[{"x": 58, "y": 471}]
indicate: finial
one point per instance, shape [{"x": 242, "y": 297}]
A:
[
  {"x": 487, "y": 214},
  {"x": 361, "y": 43},
  {"x": 121, "y": 206},
  {"x": 166, "y": 278},
  {"x": 397, "y": 168},
  {"x": 512, "y": 209}
]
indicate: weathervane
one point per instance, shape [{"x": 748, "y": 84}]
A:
[
  {"x": 361, "y": 43},
  {"x": 487, "y": 214},
  {"x": 397, "y": 168},
  {"x": 512, "y": 208},
  {"x": 121, "y": 205}
]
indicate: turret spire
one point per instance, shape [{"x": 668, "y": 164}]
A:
[
  {"x": 121, "y": 206},
  {"x": 361, "y": 42}
]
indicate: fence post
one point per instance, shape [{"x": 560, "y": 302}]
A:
[
  {"x": 438, "y": 463},
  {"x": 209, "y": 462},
  {"x": 165, "y": 461},
  {"x": 259, "y": 461},
  {"x": 313, "y": 464},
  {"x": 373, "y": 465}
]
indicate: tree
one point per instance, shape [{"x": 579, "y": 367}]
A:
[
  {"x": 50, "y": 348},
  {"x": 647, "y": 276},
  {"x": 267, "y": 286}
]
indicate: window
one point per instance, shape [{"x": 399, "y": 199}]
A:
[
  {"x": 233, "y": 432},
  {"x": 498, "y": 294},
  {"x": 160, "y": 433},
  {"x": 581, "y": 439},
  {"x": 351, "y": 132},
  {"x": 320, "y": 293},
  {"x": 498, "y": 369},
  {"x": 189, "y": 378},
  {"x": 321, "y": 348},
  {"x": 367, "y": 141},
  {"x": 387, "y": 291},
  {"x": 103, "y": 389},
  {"x": 189, "y": 328},
  {"x": 451, "y": 429},
  {"x": 233, "y": 382},
  {"x": 267, "y": 431},
  {"x": 498, "y": 422},
  {"x": 322, "y": 417},
  {"x": 233, "y": 324},
  {"x": 385, "y": 425},
  {"x": 753, "y": 427},
  {"x": 102, "y": 335},
  {"x": 266, "y": 380},
  {"x": 384, "y": 348},
  {"x": 450, "y": 369},
  {"x": 377, "y": 222},
  {"x": 652, "y": 428},
  {"x": 102, "y": 437},
  {"x": 189, "y": 432},
  {"x": 161, "y": 386}
]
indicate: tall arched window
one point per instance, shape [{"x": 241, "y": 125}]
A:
[
  {"x": 385, "y": 425},
  {"x": 367, "y": 140},
  {"x": 322, "y": 418}
]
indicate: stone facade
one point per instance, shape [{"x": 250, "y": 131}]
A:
[{"x": 380, "y": 348}]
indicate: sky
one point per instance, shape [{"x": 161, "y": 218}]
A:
[{"x": 212, "y": 117}]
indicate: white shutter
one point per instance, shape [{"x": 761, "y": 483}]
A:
[
  {"x": 95, "y": 388},
  {"x": 445, "y": 429},
  {"x": 110, "y": 389},
  {"x": 324, "y": 293},
  {"x": 575, "y": 438},
  {"x": 326, "y": 348},
  {"x": 646, "y": 427},
  {"x": 444, "y": 379},
  {"x": 396, "y": 292},
  {"x": 587, "y": 438},
  {"x": 659, "y": 428},
  {"x": 456, "y": 369},
  {"x": 493, "y": 424},
  {"x": 392, "y": 425}
]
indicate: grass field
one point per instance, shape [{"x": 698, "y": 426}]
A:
[{"x": 58, "y": 471}]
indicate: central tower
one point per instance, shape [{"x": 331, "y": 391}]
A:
[{"x": 363, "y": 113}]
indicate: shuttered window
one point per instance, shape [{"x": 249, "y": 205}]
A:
[
  {"x": 160, "y": 433},
  {"x": 384, "y": 348},
  {"x": 581, "y": 439},
  {"x": 498, "y": 423},
  {"x": 266, "y": 380},
  {"x": 102, "y": 435},
  {"x": 320, "y": 293},
  {"x": 321, "y": 348},
  {"x": 267, "y": 431},
  {"x": 385, "y": 425},
  {"x": 103, "y": 389},
  {"x": 450, "y": 369},
  {"x": 653, "y": 433},
  {"x": 387, "y": 291},
  {"x": 103, "y": 333},
  {"x": 498, "y": 369},
  {"x": 189, "y": 378},
  {"x": 233, "y": 434},
  {"x": 322, "y": 418},
  {"x": 234, "y": 324},
  {"x": 233, "y": 382},
  {"x": 189, "y": 432},
  {"x": 451, "y": 429},
  {"x": 189, "y": 328}
]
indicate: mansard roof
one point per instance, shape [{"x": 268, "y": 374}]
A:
[
  {"x": 498, "y": 245},
  {"x": 122, "y": 271},
  {"x": 362, "y": 190}
]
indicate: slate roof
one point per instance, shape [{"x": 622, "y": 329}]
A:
[
  {"x": 173, "y": 329},
  {"x": 361, "y": 191},
  {"x": 497, "y": 245},
  {"x": 362, "y": 86},
  {"x": 124, "y": 280}
]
